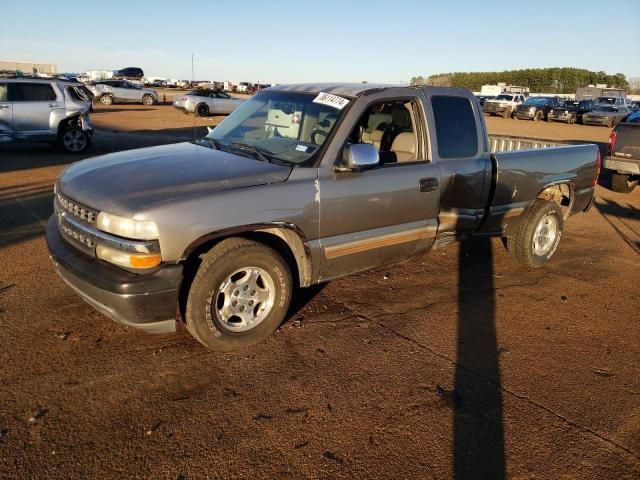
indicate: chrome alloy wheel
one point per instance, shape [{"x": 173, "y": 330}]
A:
[
  {"x": 244, "y": 299},
  {"x": 74, "y": 140},
  {"x": 545, "y": 236}
]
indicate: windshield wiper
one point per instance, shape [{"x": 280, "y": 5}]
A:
[
  {"x": 212, "y": 143},
  {"x": 260, "y": 153},
  {"x": 257, "y": 152}
]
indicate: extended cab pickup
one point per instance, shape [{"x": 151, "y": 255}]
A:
[
  {"x": 624, "y": 154},
  {"x": 300, "y": 185}
]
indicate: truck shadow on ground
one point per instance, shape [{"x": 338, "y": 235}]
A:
[
  {"x": 24, "y": 210},
  {"x": 478, "y": 421},
  {"x": 611, "y": 210}
]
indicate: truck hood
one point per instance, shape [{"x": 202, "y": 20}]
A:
[{"x": 127, "y": 182}]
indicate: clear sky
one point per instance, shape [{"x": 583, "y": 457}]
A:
[{"x": 282, "y": 41}]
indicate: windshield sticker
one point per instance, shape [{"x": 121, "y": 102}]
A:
[
  {"x": 302, "y": 148},
  {"x": 331, "y": 100}
]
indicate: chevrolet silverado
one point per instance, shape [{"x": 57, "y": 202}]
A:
[{"x": 300, "y": 185}]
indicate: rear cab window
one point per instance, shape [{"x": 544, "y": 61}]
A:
[{"x": 456, "y": 126}]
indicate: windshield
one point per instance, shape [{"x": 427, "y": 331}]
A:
[
  {"x": 605, "y": 108},
  {"x": 608, "y": 100},
  {"x": 505, "y": 97},
  {"x": 537, "y": 101},
  {"x": 284, "y": 126}
]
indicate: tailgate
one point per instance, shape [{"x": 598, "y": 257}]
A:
[{"x": 627, "y": 143}]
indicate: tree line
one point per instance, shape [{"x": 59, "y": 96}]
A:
[{"x": 547, "y": 80}]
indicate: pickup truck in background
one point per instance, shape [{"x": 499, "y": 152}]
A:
[
  {"x": 300, "y": 185},
  {"x": 536, "y": 108},
  {"x": 503, "y": 105},
  {"x": 623, "y": 155}
]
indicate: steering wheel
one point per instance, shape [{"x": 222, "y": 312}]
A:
[{"x": 318, "y": 131}]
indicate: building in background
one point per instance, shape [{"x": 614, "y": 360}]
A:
[
  {"x": 27, "y": 68},
  {"x": 599, "y": 90}
]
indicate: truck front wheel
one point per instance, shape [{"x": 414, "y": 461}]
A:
[
  {"x": 239, "y": 296},
  {"x": 538, "y": 235}
]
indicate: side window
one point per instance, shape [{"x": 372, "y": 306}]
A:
[
  {"x": 391, "y": 128},
  {"x": 456, "y": 128},
  {"x": 31, "y": 92},
  {"x": 3, "y": 92}
]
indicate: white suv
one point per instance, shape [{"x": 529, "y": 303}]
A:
[
  {"x": 45, "y": 110},
  {"x": 504, "y": 104}
]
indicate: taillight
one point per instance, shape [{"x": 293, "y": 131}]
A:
[
  {"x": 598, "y": 166},
  {"x": 612, "y": 142}
]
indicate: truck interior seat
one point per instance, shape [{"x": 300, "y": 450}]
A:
[{"x": 404, "y": 147}]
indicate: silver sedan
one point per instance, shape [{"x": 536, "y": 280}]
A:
[{"x": 206, "y": 102}]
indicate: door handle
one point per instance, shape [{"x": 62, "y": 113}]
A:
[
  {"x": 53, "y": 105},
  {"x": 429, "y": 184},
  {"x": 3, "y": 107}
]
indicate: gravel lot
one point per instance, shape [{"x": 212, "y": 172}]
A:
[{"x": 460, "y": 364}]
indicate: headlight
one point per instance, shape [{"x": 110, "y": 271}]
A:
[
  {"x": 566, "y": 112},
  {"x": 532, "y": 109},
  {"x": 127, "y": 228},
  {"x": 126, "y": 259}
]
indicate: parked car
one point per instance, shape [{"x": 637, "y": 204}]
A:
[
  {"x": 281, "y": 194},
  {"x": 504, "y": 104},
  {"x": 535, "y": 108},
  {"x": 108, "y": 92},
  {"x": 45, "y": 110},
  {"x": 570, "y": 111},
  {"x": 606, "y": 115},
  {"x": 613, "y": 101},
  {"x": 129, "y": 72},
  {"x": 484, "y": 98},
  {"x": 623, "y": 155},
  {"x": 634, "y": 106},
  {"x": 207, "y": 102}
]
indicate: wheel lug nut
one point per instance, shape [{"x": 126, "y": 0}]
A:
[
  {"x": 242, "y": 308},
  {"x": 250, "y": 302},
  {"x": 253, "y": 292},
  {"x": 234, "y": 304},
  {"x": 236, "y": 293}
]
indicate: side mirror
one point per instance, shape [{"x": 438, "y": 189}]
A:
[{"x": 357, "y": 157}]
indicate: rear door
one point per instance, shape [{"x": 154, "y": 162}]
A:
[
  {"x": 458, "y": 145},
  {"x": 383, "y": 215},
  {"x": 34, "y": 107},
  {"x": 6, "y": 114}
]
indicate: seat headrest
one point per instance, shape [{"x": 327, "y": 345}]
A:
[
  {"x": 401, "y": 117},
  {"x": 404, "y": 142}
]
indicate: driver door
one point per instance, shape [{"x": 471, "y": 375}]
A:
[{"x": 383, "y": 215}]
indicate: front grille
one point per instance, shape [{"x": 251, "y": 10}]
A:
[
  {"x": 83, "y": 238},
  {"x": 79, "y": 211}
]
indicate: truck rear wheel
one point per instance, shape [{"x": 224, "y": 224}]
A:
[
  {"x": 622, "y": 183},
  {"x": 239, "y": 296},
  {"x": 538, "y": 235}
]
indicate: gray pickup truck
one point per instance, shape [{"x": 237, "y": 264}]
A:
[
  {"x": 623, "y": 156},
  {"x": 300, "y": 185}
]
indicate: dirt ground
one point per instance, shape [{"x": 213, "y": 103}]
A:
[{"x": 460, "y": 364}]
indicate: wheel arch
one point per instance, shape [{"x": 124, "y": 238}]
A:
[
  {"x": 285, "y": 238},
  {"x": 67, "y": 121}
]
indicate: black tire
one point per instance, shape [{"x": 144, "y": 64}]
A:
[
  {"x": 202, "y": 110},
  {"x": 521, "y": 245},
  {"x": 218, "y": 265},
  {"x": 74, "y": 140},
  {"x": 106, "y": 100},
  {"x": 148, "y": 99},
  {"x": 621, "y": 183}
]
